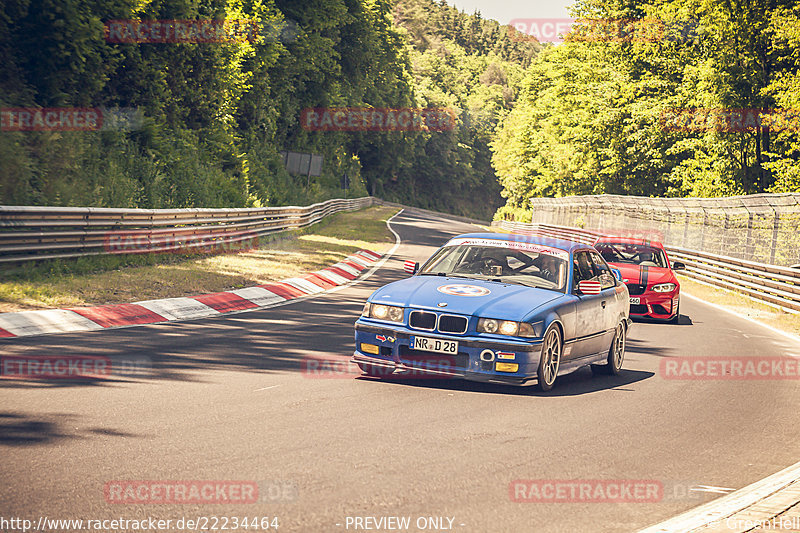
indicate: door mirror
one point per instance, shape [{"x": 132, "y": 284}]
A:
[
  {"x": 677, "y": 265},
  {"x": 589, "y": 287},
  {"x": 617, "y": 273},
  {"x": 410, "y": 267}
]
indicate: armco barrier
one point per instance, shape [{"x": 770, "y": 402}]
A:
[
  {"x": 30, "y": 233},
  {"x": 776, "y": 285}
]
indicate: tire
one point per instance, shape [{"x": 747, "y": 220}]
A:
[
  {"x": 677, "y": 318},
  {"x": 550, "y": 359},
  {"x": 616, "y": 354},
  {"x": 375, "y": 371}
]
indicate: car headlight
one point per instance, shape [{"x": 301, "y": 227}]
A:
[
  {"x": 383, "y": 312},
  {"x": 508, "y": 327},
  {"x": 664, "y": 287}
]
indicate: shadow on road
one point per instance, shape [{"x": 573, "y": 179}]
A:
[
  {"x": 683, "y": 320},
  {"x": 574, "y": 384},
  {"x": 262, "y": 341},
  {"x": 17, "y": 429}
]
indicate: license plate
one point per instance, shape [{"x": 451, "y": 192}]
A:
[
  {"x": 635, "y": 301},
  {"x": 427, "y": 344}
]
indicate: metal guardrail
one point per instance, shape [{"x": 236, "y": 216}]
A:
[
  {"x": 773, "y": 284},
  {"x": 33, "y": 233}
]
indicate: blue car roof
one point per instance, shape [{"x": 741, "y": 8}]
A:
[{"x": 561, "y": 244}]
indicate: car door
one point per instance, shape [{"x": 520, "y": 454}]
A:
[
  {"x": 610, "y": 301},
  {"x": 590, "y": 319}
]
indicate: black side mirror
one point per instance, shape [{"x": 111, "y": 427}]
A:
[{"x": 677, "y": 265}]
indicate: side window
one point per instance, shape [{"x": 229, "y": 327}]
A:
[
  {"x": 606, "y": 277},
  {"x": 582, "y": 268},
  {"x": 585, "y": 266}
]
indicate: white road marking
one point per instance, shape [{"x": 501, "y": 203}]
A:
[
  {"x": 304, "y": 285},
  {"x": 45, "y": 321},
  {"x": 347, "y": 268},
  {"x": 711, "y": 488},
  {"x": 258, "y": 295},
  {"x": 355, "y": 259},
  {"x": 788, "y": 335},
  {"x": 379, "y": 264},
  {"x": 178, "y": 308},
  {"x": 265, "y": 388},
  {"x": 332, "y": 276}
]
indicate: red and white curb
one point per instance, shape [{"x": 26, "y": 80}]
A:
[{"x": 73, "y": 319}]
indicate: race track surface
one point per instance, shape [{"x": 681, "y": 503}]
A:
[{"x": 228, "y": 399}]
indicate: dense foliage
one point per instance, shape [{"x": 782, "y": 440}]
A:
[
  {"x": 590, "y": 118},
  {"x": 216, "y": 115},
  {"x": 585, "y": 116}
]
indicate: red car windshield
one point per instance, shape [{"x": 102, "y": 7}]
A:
[{"x": 634, "y": 254}]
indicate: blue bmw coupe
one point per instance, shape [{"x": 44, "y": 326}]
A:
[{"x": 501, "y": 308}]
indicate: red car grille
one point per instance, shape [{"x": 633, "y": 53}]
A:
[{"x": 636, "y": 288}]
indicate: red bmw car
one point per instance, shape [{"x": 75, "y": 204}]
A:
[{"x": 647, "y": 271}]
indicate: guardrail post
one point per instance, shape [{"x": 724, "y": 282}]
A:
[
  {"x": 748, "y": 247},
  {"x": 585, "y": 211},
  {"x": 725, "y": 225},
  {"x": 703, "y": 229},
  {"x": 775, "y": 225},
  {"x": 685, "y": 225}
]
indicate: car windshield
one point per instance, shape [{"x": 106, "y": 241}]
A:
[
  {"x": 540, "y": 269},
  {"x": 631, "y": 253}
]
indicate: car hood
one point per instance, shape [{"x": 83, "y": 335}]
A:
[
  {"x": 503, "y": 300},
  {"x": 641, "y": 274}
]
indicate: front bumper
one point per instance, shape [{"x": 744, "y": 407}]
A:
[
  {"x": 395, "y": 353},
  {"x": 662, "y": 306}
]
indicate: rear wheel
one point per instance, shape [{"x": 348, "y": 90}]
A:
[
  {"x": 550, "y": 360},
  {"x": 616, "y": 354},
  {"x": 375, "y": 371}
]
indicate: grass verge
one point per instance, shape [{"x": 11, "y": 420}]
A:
[{"x": 107, "y": 280}]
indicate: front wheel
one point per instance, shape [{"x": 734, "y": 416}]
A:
[
  {"x": 550, "y": 360},
  {"x": 616, "y": 354}
]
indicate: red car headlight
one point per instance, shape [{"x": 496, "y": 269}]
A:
[{"x": 664, "y": 287}]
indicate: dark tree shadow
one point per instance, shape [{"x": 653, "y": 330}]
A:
[
  {"x": 683, "y": 320},
  {"x": 574, "y": 384}
]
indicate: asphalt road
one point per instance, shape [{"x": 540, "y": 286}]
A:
[{"x": 228, "y": 399}]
